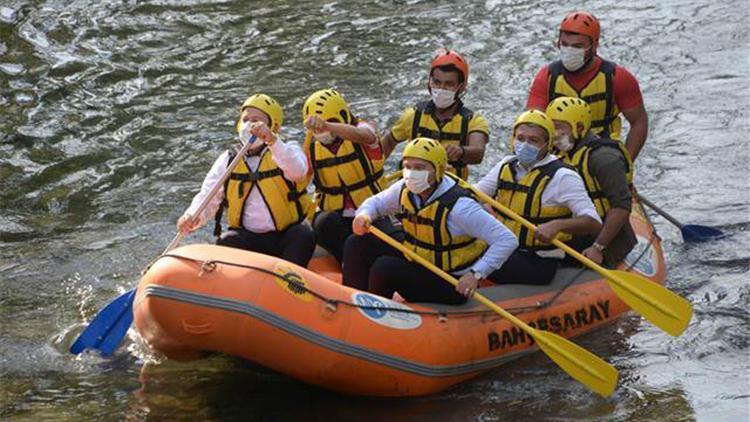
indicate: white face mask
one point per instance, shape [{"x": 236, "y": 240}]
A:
[
  {"x": 443, "y": 98},
  {"x": 324, "y": 138},
  {"x": 416, "y": 180},
  {"x": 245, "y": 132},
  {"x": 563, "y": 143},
  {"x": 572, "y": 58}
]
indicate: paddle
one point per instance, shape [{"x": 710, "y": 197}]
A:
[
  {"x": 690, "y": 232},
  {"x": 106, "y": 330},
  {"x": 653, "y": 301},
  {"x": 109, "y": 326},
  {"x": 579, "y": 363}
]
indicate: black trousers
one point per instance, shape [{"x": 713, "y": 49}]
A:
[
  {"x": 372, "y": 265},
  {"x": 332, "y": 229},
  {"x": 525, "y": 267},
  {"x": 295, "y": 244}
]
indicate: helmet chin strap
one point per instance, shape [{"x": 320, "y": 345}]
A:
[
  {"x": 581, "y": 134},
  {"x": 460, "y": 94},
  {"x": 591, "y": 58}
]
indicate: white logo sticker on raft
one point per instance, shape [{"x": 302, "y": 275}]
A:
[
  {"x": 646, "y": 265},
  {"x": 375, "y": 311}
]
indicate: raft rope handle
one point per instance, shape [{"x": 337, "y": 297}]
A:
[
  {"x": 331, "y": 304},
  {"x": 547, "y": 303}
]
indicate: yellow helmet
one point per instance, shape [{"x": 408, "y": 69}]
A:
[
  {"x": 571, "y": 111},
  {"x": 328, "y": 104},
  {"x": 430, "y": 150},
  {"x": 535, "y": 117},
  {"x": 268, "y": 105}
]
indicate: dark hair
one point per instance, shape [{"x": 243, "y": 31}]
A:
[
  {"x": 544, "y": 131},
  {"x": 576, "y": 33},
  {"x": 450, "y": 68}
]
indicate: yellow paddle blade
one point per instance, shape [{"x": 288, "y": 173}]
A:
[
  {"x": 584, "y": 366},
  {"x": 596, "y": 374},
  {"x": 662, "y": 307}
]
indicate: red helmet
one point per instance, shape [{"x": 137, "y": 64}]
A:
[
  {"x": 583, "y": 23},
  {"x": 451, "y": 58}
]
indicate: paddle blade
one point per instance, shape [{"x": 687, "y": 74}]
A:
[
  {"x": 696, "y": 233},
  {"x": 103, "y": 331},
  {"x": 118, "y": 331},
  {"x": 665, "y": 309},
  {"x": 593, "y": 372}
]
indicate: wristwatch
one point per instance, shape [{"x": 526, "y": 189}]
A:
[
  {"x": 477, "y": 276},
  {"x": 598, "y": 246}
]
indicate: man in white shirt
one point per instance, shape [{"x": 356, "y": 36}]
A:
[
  {"x": 539, "y": 187},
  {"x": 265, "y": 195},
  {"x": 441, "y": 222}
]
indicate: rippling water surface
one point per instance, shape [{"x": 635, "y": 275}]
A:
[{"x": 112, "y": 111}]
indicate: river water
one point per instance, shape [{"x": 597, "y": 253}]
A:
[{"x": 112, "y": 111}]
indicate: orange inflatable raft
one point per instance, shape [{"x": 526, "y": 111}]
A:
[{"x": 302, "y": 322}]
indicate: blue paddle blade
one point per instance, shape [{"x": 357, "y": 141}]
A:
[
  {"x": 107, "y": 329},
  {"x": 115, "y": 335},
  {"x": 696, "y": 233}
]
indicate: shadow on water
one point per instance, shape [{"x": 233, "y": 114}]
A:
[{"x": 227, "y": 389}]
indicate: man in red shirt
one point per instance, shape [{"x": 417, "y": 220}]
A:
[{"x": 610, "y": 89}]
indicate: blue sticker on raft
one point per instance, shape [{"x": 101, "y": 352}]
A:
[
  {"x": 644, "y": 263},
  {"x": 385, "y": 312}
]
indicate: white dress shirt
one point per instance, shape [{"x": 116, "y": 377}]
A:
[
  {"x": 256, "y": 217},
  {"x": 467, "y": 218},
  {"x": 565, "y": 189}
]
